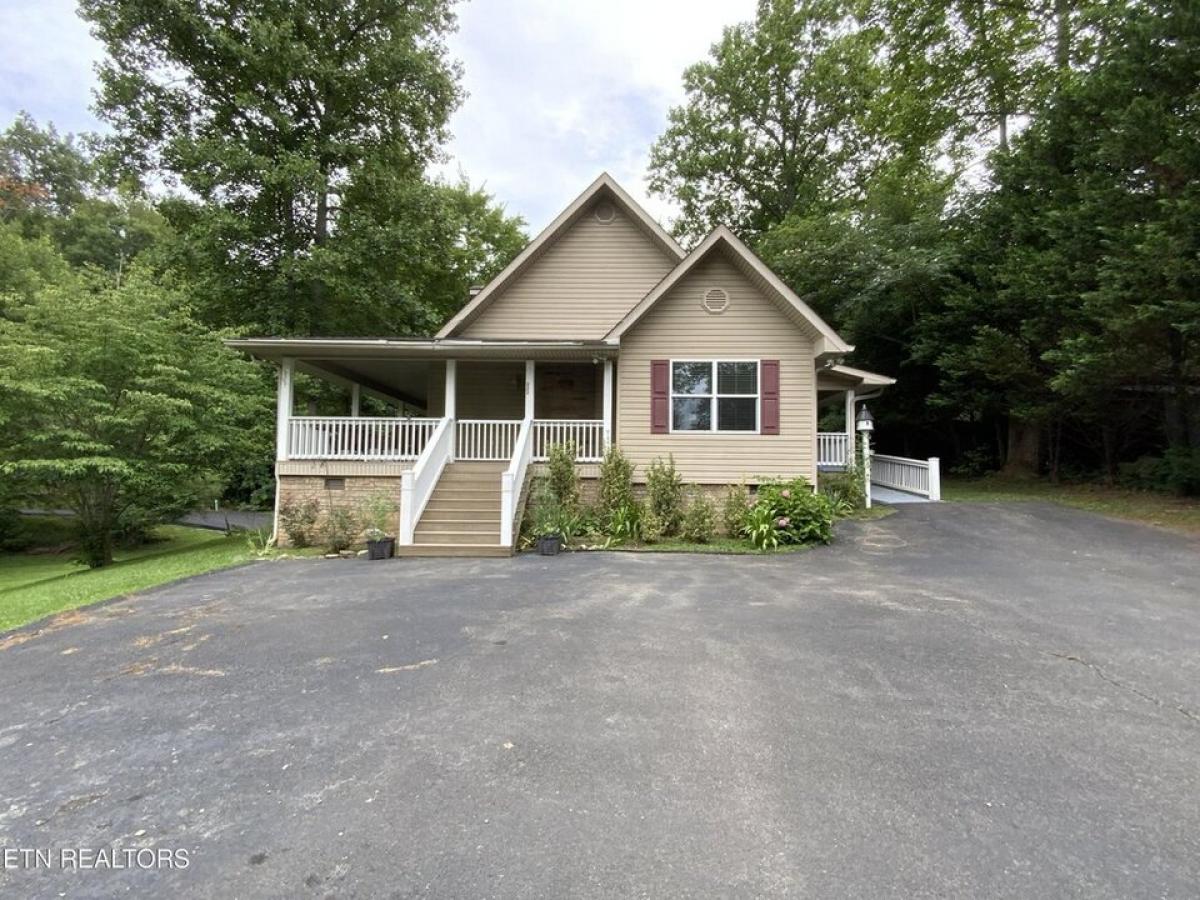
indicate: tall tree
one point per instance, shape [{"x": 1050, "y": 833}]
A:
[{"x": 273, "y": 113}]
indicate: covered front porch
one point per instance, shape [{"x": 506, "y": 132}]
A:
[
  {"x": 839, "y": 391},
  {"x": 449, "y": 402}
]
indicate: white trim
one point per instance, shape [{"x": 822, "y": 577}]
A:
[
  {"x": 529, "y": 388},
  {"x": 564, "y": 220},
  {"x": 284, "y": 399},
  {"x": 850, "y": 411},
  {"x": 721, "y": 234},
  {"x": 713, "y": 397},
  {"x": 607, "y": 404}
]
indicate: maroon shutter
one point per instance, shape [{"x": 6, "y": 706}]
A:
[
  {"x": 660, "y": 396},
  {"x": 770, "y": 396}
]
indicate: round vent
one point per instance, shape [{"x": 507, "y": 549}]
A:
[
  {"x": 716, "y": 301},
  {"x": 605, "y": 212}
]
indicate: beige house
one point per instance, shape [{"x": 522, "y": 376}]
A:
[{"x": 602, "y": 331}]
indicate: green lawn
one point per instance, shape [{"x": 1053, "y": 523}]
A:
[
  {"x": 1179, "y": 513},
  {"x": 34, "y": 585}
]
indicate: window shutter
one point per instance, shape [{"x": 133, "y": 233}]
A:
[
  {"x": 770, "y": 396},
  {"x": 660, "y": 396}
]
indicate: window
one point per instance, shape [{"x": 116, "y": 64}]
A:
[{"x": 714, "y": 395}]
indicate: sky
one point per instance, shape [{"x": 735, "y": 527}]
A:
[{"x": 558, "y": 90}]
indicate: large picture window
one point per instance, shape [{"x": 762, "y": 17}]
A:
[{"x": 714, "y": 395}]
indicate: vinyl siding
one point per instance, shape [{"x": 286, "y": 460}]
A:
[
  {"x": 753, "y": 327},
  {"x": 581, "y": 286}
]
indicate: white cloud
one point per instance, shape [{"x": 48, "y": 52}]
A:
[{"x": 560, "y": 90}]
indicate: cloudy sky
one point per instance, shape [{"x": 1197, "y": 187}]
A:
[{"x": 560, "y": 90}]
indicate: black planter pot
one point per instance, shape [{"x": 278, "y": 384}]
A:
[
  {"x": 549, "y": 544},
  {"x": 381, "y": 549}
]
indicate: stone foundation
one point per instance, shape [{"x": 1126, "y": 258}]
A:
[{"x": 336, "y": 492}]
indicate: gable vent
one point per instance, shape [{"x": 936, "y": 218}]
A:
[
  {"x": 716, "y": 301},
  {"x": 605, "y": 211}
]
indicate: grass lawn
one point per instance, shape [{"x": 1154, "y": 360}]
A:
[
  {"x": 1179, "y": 513},
  {"x": 34, "y": 585}
]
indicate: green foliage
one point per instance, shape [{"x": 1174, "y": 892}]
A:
[
  {"x": 116, "y": 404},
  {"x": 304, "y": 131},
  {"x": 664, "y": 494},
  {"x": 625, "y": 521},
  {"x": 1177, "y": 471},
  {"x": 616, "y": 482},
  {"x": 380, "y": 515},
  {"x": 561, "y": 475},
  {"x": 760, "y": 526},
  {"x": 340, "y": 529},
  {"x": 800, "y": 515},
  {"x": 846, "y": 490},
  {"x": 699, "y": 523},
  {"x": 298, "y": 520},
  {"x": 652, "y": 528},
  {"x": 733, "y": 510}
]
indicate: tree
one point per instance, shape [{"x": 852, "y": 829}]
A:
[
  {"x": 277, "y": 115},
  {"x": 776, "y": 122},
  {"x": 41, "y": 173},
  {"x": 116, "y": 404}
]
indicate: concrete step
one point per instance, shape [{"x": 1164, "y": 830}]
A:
[{"x": 453, "y": 550}]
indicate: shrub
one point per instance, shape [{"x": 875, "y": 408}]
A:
[
  {"x": 700, "y": 519},
  {"x": 664, "y": 493},
  {"x": 547, "y": 516},
  {"x": 733, "y": 512},
  {"x": 379, "y": 514},
  {"x": 652, "y": 526},
  {"x": 298, "y": 521},
  {"x": 341, "y": 529},
  {"x": 845, "y": 490},
  {"x": 801, "y": 516},
  {"x": 616, "y": 483},
  {"x": 625, "y": 522},
  {"x": 561, "y": 476},
  {"x": 1177, "y": 471},
  {"x": 759, "y": 526}
]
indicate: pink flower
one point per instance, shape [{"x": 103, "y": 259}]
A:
[
  {"x": 785, "y": 494},
  {"x": 783, "y": 521}
]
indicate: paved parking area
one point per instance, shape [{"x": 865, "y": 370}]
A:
[{"x": 958, "y": 700}]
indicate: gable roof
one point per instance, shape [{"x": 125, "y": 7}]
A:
[
  {"x": 604, "y": 185},
  {"x": 753, "y": 268}
]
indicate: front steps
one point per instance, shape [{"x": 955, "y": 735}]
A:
[{"x": 462, "y": 517}]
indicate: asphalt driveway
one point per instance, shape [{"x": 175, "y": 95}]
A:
[{"x": 954, "y": 701}]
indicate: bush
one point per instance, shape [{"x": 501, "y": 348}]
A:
[
  {"x": 341, "y": 529},
  {"x": 700, "y": 519},
  {"x": 380, "y": 514},
  {"x": 664, "y": 494},
  {"x": 845, "y": 490},
  {"x": 298, "y": 520},
  {"x": 801, "y": 516},
  {"x": 652, "y": 526},
  {"x": 616, "y": 483},
  {"x": 561, "y": 476},
  {"x": 625, "y": 522},
  {"x": 1176, "y": 471},
  {"x": 759, "y": 526},
  {"x": 733, "y": 511}
]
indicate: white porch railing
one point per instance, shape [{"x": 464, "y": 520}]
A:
[
  {"x": 586, "y": 434},
  {"x": 512, "y": 480},
  {"x": 486, "y": 439},
  {"x": 357, "y": 437},
  {"x": 833, "y": 448},
  {"x": 417, "y": 484},
  {"x": 916, "y": 476}
]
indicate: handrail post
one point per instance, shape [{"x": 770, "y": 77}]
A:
[
  {"x": 407, "y": 525},
  {"x": 935, "y": 479}
]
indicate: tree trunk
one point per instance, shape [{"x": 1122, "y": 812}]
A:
[
  {"x": 1062, "y": 35},
  {"x": 1024, "y": 448}
]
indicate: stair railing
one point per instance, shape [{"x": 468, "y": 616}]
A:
[
  {"x": 417, "y": 483},
  {"x": 512, "y": 480}
]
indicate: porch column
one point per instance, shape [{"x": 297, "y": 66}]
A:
[
  {"x": 284, "y": 398},
  {"x": 355, "y": 399},
  {"x": 608, "y": 403},
  {"x": 449, "y": 405},
  {"x": 529, "y": 389},
  {"x": 850, "y": 414}
]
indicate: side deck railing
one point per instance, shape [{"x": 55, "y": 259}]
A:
[
  {"x": 915, "y": 476},
  {"x": 357, "y": 437},
  {"x": 833, "y": 448},
  {"x": 586, "y": 434}
]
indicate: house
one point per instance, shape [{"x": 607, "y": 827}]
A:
[{"x": 602, "y": 331}]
